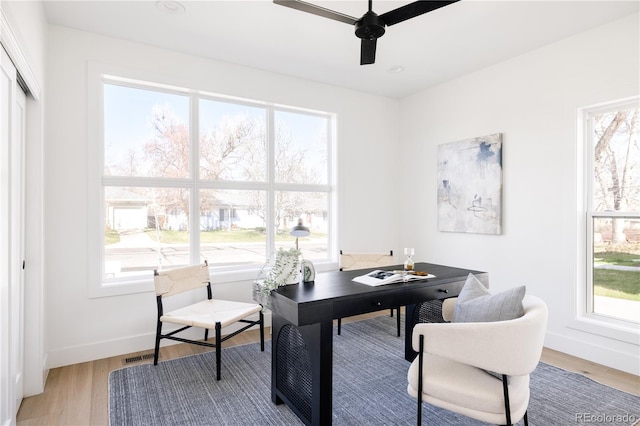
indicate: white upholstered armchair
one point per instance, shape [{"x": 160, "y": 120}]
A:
[{"x": 451, "y": 369}]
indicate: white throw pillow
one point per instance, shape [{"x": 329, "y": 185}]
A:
[{"x": 476, "y": 304}]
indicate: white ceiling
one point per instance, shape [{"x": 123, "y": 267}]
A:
[{"x": 433, "y": 48}]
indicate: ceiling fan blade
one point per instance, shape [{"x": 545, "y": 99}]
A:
[
  {"x": 368, "y": 51},
  {"x": 412, "y": 10},
  {"x": 317, "y": 10}
]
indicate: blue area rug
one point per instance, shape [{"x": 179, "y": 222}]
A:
[{"x": 370, "y": 388}]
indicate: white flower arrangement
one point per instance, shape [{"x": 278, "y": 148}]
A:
[{"x": 284, "y": 269}]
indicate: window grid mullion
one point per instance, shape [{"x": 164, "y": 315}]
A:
[
  {"x": 331, "y": 190},
  {"x": 270, "y": 202},
  {"x": 145, "y": 182},
  {"x": 589, "y": 206},
  {"x": 194, "y": 202}
]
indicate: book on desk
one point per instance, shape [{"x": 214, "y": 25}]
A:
[{"x": 381, "y": 277}]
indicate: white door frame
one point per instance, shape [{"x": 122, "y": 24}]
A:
[
  {"x": 8, "y": 326},
  {"x": 17, "y": 206}
]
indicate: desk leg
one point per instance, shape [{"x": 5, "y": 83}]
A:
[
  {"x": 409, "y": 353},
  {"x": 302, "y": 369}
]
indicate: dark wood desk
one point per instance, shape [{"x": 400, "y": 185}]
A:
[{"x": 302, "y": 328}]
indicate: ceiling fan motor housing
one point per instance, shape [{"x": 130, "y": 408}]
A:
[{"x": 370, "y": 26}]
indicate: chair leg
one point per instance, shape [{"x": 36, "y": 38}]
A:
[
  {"x": 526, "y": 419},
  {"x": 420, "y": 360},
  {"x": 398, "y": 320},
  {"x": 156, "y": 352},
  {"x": 391, "y": 313},
  {"x": 507, "y": 407},
  {"x": 218, "y": 349},
  {"x": 261, "y": 332},
  {"x": 206, "y": 334},
  {"x": 339, "y": 325}
]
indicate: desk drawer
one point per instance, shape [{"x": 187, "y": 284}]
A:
[
  {"x": 442, "y": 291},
  {"x": 364, "y": 304}
]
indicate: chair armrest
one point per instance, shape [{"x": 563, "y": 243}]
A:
[
  {"x": 448, "y": 307},
  {"x": 507, "y": 347}
]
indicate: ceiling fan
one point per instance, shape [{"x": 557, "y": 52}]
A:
[{"x": 370, "y": 27}]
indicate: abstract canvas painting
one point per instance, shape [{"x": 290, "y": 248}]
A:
[{"x": 470, "y": 185}]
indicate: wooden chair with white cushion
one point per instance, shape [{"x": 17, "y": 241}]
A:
[
  {"x": 350, "y": 261},
  {"x": 209, "y": 313},
  {"x": 458, "y": 363}
]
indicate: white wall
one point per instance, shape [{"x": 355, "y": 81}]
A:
[
  {"x": 80, "y": 328},
  {"x": 533, "y": 100}
]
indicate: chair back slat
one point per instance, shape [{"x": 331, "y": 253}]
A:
[
  {"x": 174, "y": 281},
  {"x": 349, "y": 261}
]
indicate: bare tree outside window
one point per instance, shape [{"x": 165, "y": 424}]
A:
[{"x": 233, "y": 142}]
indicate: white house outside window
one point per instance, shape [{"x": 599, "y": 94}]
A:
[
  {"x": 187, "y": 176},
  {"x": 613, "y": 211}
]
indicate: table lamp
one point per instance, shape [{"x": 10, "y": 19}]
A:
[{"x": 299, "y": 231}]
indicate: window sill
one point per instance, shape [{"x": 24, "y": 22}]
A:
[
  {"x": 608, "y": 327},
  {"x": 145, "y": 284}
]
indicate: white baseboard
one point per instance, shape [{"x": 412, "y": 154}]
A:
[
  {"x": 105, "y": 349},
  {"x": 603, "y": 355}
]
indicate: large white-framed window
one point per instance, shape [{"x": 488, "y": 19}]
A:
[
  {"x": 181, "y": 175},
  {"x": 611, "y": 146}
]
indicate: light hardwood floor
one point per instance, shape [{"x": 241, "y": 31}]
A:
[{"x": 78, "y": 394}]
